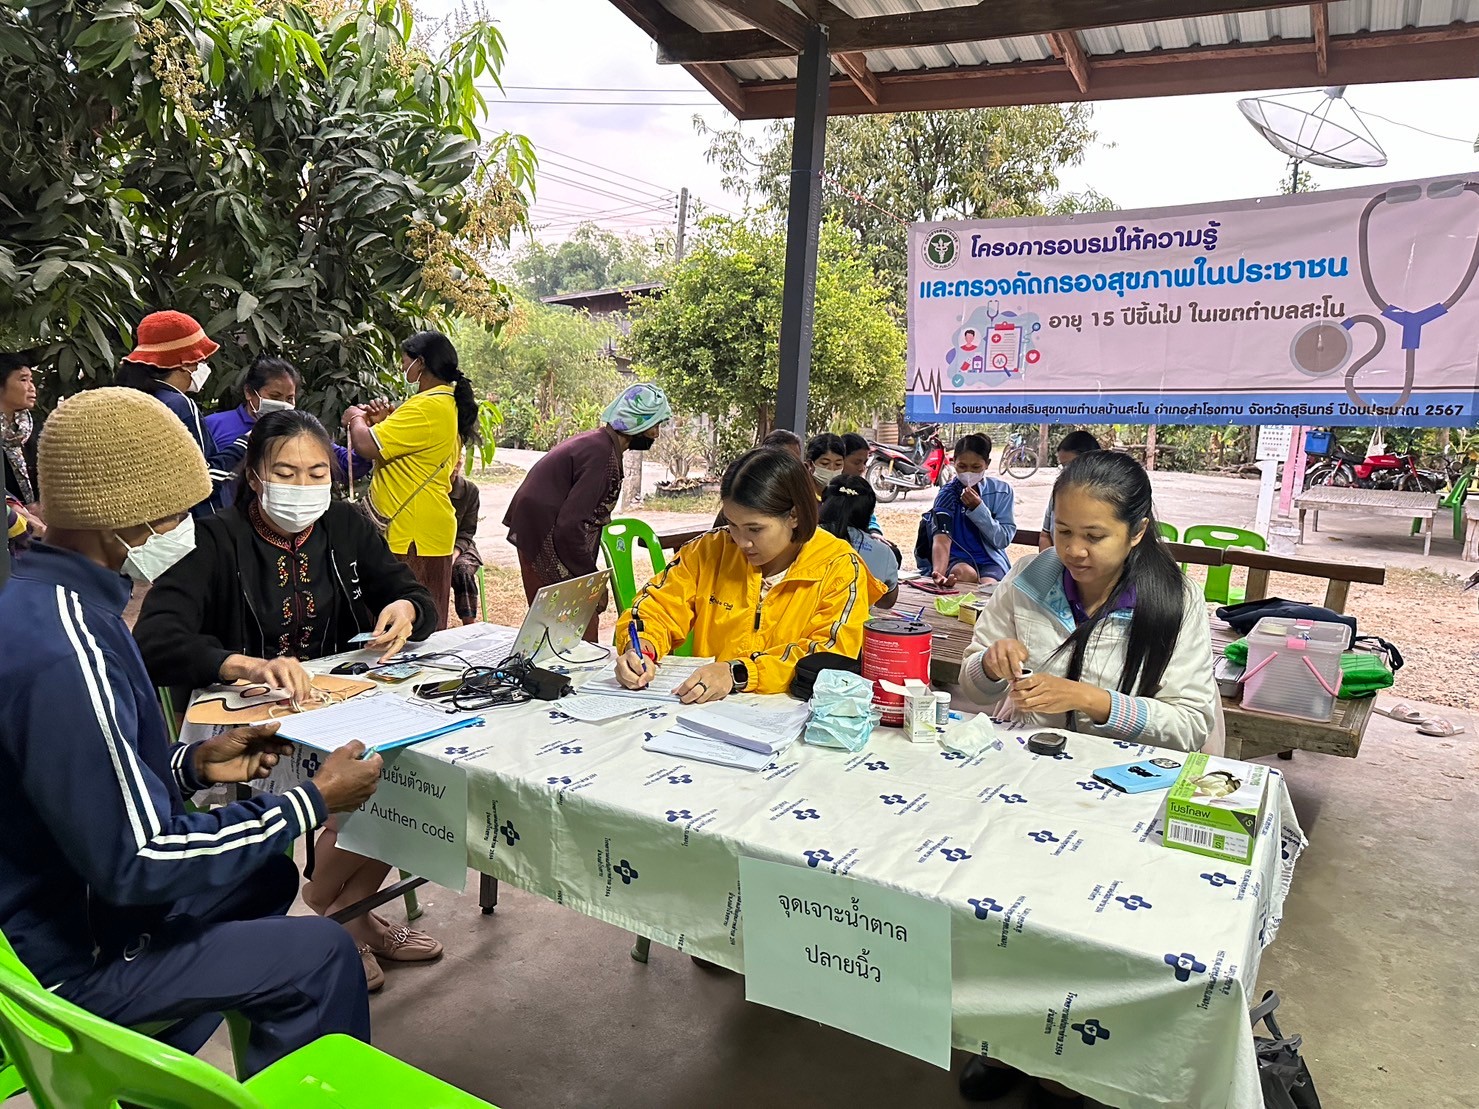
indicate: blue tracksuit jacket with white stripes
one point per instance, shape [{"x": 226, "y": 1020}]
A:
[
  {"x": 221, "y": 458},
  {"x": 95, "y": 841}
]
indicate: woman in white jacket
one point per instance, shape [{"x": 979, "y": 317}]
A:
[
  {"x": 1115, "y": 636},
  {"x": 1117, "y": 643}
]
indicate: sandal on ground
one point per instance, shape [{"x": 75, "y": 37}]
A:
[
  {"x": 406, "y": 945},
  {"x": 374, "y": 976},
  {"x": 1401, "y": 712},
  {"x": 1439, "y": 726},
  {"x": 980, "y": 1081}
]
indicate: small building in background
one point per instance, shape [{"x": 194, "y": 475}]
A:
[{"x": 609, "y": 304}]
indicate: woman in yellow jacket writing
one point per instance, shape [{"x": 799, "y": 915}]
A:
[{"x": 758, "y": 595}]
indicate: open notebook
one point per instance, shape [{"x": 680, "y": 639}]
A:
[
  {"x": 381, "y": 723},
  {"x": 767, "y": 728},
  {"x": 671, "y": 673}
]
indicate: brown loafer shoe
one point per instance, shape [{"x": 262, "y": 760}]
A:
[
  {"x": 406, "y": 945},
  {"x": 374, "y": 976}
]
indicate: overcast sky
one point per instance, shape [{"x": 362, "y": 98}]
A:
[{"x": 619, "y": 164}]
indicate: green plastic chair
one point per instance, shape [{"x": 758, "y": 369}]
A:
[
  {"x": 1454, "y": 501},
  {"x": 1168, "y": 531},
  {"x": 1219, "y": 586},
  {"x": 71, "y": 1059},
  {"x": 619, "y": 541}
]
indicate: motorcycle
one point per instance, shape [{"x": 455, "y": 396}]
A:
[
  {"x": 1377, "y": 471},
  {"x": 893, "y": 470}
]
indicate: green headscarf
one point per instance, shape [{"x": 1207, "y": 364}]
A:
[{"x": 639, "y": 408}]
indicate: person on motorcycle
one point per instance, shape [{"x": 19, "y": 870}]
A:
[
  {"x": 1070, "y": 447},
  {"x": 963, "y": 537}
]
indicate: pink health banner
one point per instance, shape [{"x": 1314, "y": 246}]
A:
[{"x": 1351, "y": 308}]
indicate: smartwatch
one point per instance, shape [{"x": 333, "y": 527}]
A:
[{"x": 740, "y": 676}]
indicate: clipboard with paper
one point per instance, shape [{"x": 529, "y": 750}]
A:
[{"x": 382, "y": 723}]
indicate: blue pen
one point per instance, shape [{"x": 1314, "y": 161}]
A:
[{"x": 632, "y": 629}]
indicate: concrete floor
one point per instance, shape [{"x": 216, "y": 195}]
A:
[{"x": 537, "y": 1007}]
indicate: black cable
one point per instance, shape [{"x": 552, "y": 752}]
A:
[{"x": 546, "y": 642}]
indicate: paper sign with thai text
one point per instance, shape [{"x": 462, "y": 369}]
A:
[
  {"x": 416, "y": 820},
  {"x": 867, "y": 959},
  {"x": 1346, "y": 307}
]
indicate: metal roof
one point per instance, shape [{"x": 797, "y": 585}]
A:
[{"x": 745, "y": 50}]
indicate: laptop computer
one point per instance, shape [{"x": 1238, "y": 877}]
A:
[{"x": 556, "y": 621}]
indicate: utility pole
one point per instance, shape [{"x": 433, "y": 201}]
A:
[{"x": 682, "y": 224}]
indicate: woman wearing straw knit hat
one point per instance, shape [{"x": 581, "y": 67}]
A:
[
  {"x": 558, "y": 511},
  {"x": 169, "y": 362},
  {"x": 112, "y": 892}
]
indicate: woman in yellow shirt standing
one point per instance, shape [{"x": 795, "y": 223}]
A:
[{"x": 416, "y": 449}]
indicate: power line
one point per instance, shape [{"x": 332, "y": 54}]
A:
[
  {"x": 577, "y": 88},
  {"x": 597, "y": 165},
  {"x": 616, "y": 103},
  {"x": 1419, "y": 130},
  {"x": 560, "y": 208},
  {"x": 559, "y": 163},
  {"x": 589, "y": 188}
]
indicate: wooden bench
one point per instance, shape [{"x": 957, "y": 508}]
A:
[{"x": 1375, "y": 502}]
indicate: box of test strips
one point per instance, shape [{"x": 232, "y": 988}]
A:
[{"x": 1215, "y": 807}]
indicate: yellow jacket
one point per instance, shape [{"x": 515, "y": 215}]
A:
[{"x": 711, "y": 589}]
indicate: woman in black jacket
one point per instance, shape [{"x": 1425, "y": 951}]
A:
[{"x": 286, "y": 574}]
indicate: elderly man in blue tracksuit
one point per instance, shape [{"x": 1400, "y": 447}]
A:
[{"x": 111, "y": 892}]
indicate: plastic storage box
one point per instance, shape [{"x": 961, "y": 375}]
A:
[
  {"x": 1294, "y": 667},
  {"x": 1318, "y": 442}
]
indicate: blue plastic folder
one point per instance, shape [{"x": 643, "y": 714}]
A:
[{"x": 382, "y": 723}]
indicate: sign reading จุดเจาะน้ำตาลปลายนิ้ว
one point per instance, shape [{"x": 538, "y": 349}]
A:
[{"x": 1352, "y": 307}]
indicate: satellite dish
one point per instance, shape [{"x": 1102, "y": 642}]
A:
[{"x": 1321, "y": 128}]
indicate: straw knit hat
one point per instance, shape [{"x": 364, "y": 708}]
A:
[
  {"x": 117, "y": 458},
  {"x": 171, "y": 339}
]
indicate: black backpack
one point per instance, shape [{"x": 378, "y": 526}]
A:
[{"x": 1285, "y": 1076}]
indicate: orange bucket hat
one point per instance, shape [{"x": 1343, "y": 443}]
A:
[{"x": 169, "y": 340}]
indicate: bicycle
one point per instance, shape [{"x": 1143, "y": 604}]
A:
[{"x": 1019, "y": 460}]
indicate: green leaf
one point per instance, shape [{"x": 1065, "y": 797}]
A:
[
  {"x": 246, "y": 304},
  {"x": 47, "y": 273}
]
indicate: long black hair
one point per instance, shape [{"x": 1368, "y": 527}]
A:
[
  {"x": 267, "y": 433},
  {"x": 1160, "y": 587},
  {"x": 847, "y": 502},
  {"x": 439, "y": 358}
]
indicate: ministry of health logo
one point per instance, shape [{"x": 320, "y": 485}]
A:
[
  {"x": 1092, "y": 1031},
  {"x": 941, "y": 248}
]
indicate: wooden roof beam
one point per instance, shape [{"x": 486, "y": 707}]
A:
[
  {"x": 1430, "y": 54},
  {"x": 856, "y": 67},
  {"x": 1320, "y": 25},
  {"x": 1066, "y": 46},
  {"x": 657, "y": 22},
  {"x": 772, "y": 17},
  {"x": 984, "y": 20}
]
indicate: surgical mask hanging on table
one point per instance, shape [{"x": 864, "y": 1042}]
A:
[
  {"x": 841, "y": 711},
  {"x": 150, "y": 559}
]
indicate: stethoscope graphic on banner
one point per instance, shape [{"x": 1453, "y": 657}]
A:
[{"x": 1322, "y": 348}]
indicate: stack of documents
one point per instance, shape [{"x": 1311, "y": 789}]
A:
[{"x": 746, "y": 736}]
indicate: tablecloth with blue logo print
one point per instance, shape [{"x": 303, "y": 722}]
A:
[{"x": 1083, "y": 950}]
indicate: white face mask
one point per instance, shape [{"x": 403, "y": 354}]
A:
[
  {"x": 824, "y": 475},
  {"x": 150, "y": 559},
  {"x": 292, "y": 508},
  {"x": 970, "y": 478},
  {"x": 199, "y": 376},
  {"x": 270, "y": 404}
]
